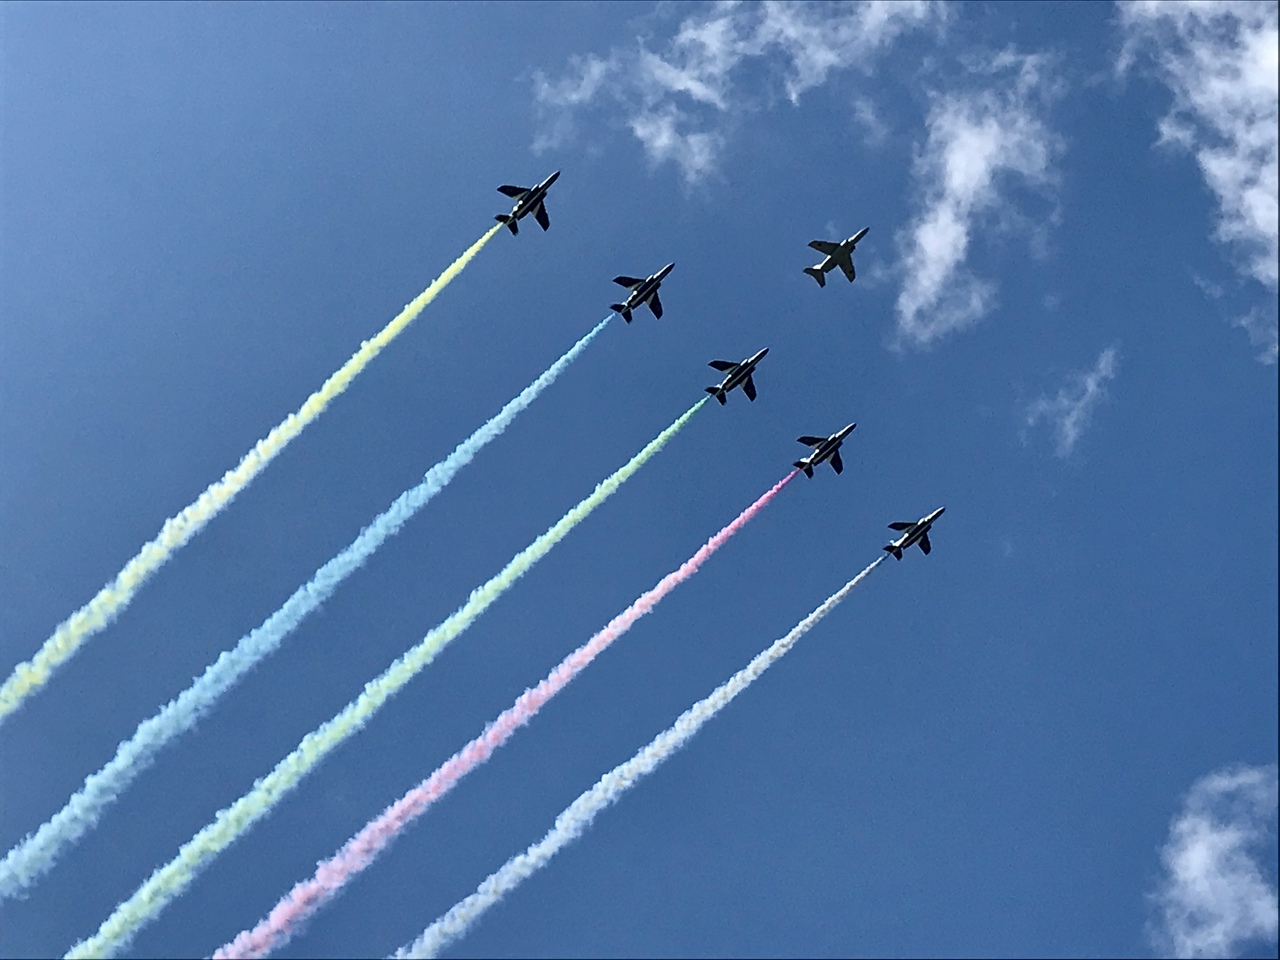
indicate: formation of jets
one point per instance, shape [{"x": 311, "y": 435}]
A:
[
  {"x": 645, "y": 291},
  {"x": 836, "y": 254}
]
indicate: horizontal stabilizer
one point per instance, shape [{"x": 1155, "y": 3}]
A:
[
  {"x": 901, "y": 525},
  {"x": 622, "y": 309},
  {"x": 509, "y": 221},
  {"x": 513, "y": 192},
  {"x": 717, "y": 393},
  {"x": 817, "y": 275},
  {"x": 897, "y": 553},
  {"x": 627, "y": 281},
  {"x": 722, "y": 365},
  {"x": 801, "y": 465}
]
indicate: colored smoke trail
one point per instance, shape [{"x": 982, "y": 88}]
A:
[
  {"x": 308, "y": 896},
  {"x": 35, "y": 855},
  {"x": 102, "y": 610},
  {"x": 233, "y": 821},
  {"x": 609, "y": 789}
]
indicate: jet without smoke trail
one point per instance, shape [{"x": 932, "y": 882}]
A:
[{"x": 836, "y": 254}]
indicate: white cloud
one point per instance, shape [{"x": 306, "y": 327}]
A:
[
  {"x": 1214, "y": 898},
  {"x": 681, "y": 99},
  {"x": 1071, "y": 409},
  {"x": 1221, "y": 61},
  {"x": 978, "y": 144},
  {"x": 1260, "y": 325},
  {"x": 694, "y": 153},
  {"x": 559, "y": 98}
]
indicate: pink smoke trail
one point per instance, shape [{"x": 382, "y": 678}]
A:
[{"x": 308, "y": 896}]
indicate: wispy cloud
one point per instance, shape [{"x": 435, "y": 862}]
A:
[
  {"x": 681, "y": 96},
  {"x": 1070, "y": 410},
  {"x": 1214, "y": 898},
  {"x": 1260, "y": 324},
  {"x": 1220, "y": 61},
  {"x": 979, "y": 144}
]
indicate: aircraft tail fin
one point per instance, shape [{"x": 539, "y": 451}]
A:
[
  {"x": 897, "y": 553},
  {"x": 817, "y": 275},
  {"x": 801, "y": 465},
  {"x": 509, "y": 221},
  {"x": 717, "y": 393},
  {"x": 621, "y": 309}
]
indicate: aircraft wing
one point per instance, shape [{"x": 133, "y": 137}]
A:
[
  {"x": 824, "y": 247},
  {"x": 901, "y": 525},
  {"x": 541, "y": 216},
  {"x": 837, "y": 462},
  {"x": 749, "y": 388},
  {"x": 722, "y": 365},
  {"x": 846, "y": 264},
  {"x": 655, "y": 305},
  {"x": 810, "y": 441},
  {"x": 513, "y": 192},
  {"x": 925, "y": 545},
  {"x": 627, "y": 281}
]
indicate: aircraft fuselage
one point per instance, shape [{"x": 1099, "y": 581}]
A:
[
  {"x": 828, "y": 449},
  {"x": 648, "y": 287},
  {"x": 913, "y": 533},
  {"x": 529, "y": 202},
  {"x": 736, "y": 374},
  {"x": 642, "y": 292}
]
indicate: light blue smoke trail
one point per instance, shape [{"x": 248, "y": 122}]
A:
[{"x": 35, "y": 855}]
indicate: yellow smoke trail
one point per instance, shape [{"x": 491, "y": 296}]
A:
[
  {"x": 99, "y": 612},
  {"x": 231, "y": 822}
]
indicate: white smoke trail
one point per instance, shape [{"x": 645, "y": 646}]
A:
[{"x": 609, "y": 789}]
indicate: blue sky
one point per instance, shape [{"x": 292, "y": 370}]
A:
[{"x": 1063, "y": 329}]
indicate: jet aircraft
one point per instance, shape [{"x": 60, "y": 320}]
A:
[
  {"x": 824, "y": 448},
  {"x": 642, "y": 291},
  {"x": 837, "y": 255},
  {"x": 528, "y": 200},
  {"x": 736, "y": 374},
  {"x": 916, "y": 533}
]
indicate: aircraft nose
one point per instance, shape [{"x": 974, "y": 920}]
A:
[{"x": 553, "y": 178}]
